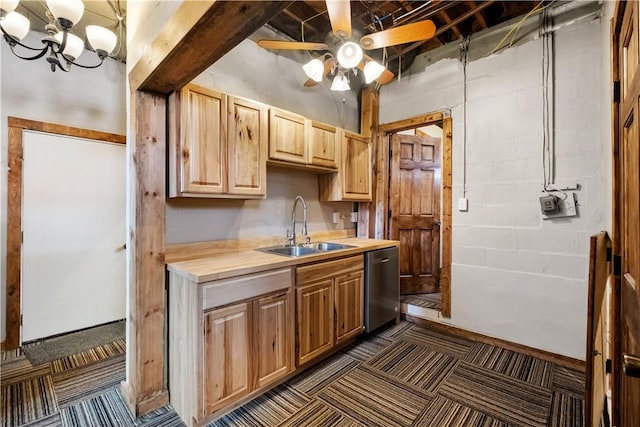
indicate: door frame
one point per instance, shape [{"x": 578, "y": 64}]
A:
[
  {"x": 382, "y": 190},
  {"x": 16, "y": 127}
]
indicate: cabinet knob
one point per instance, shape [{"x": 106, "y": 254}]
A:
[{"x": 631, "y": 365}]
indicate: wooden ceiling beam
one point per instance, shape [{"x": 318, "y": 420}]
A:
[
  {"x": 479, "y": 15},
  {"x": 295, "y": 17},
  {"x": 445, "y": 28},
  {"x": 449, "y": 22},
  {"x": 183, "y": 49}
]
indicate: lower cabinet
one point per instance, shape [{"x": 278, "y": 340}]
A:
[
  {"x": 329, "y": 305},
  {"x": 219, "y": 354}
]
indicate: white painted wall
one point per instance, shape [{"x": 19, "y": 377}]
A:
[
  {"x": 515, "y": 276},
  {"x": 92, "y": 99}
]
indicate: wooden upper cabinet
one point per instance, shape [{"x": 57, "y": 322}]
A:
[
  {"x": 197, "y": 136},
  {"x": 217, "y": 145},
  {"x": 322, "y": 141},
  {"x": 247, "y": 147},
  {"x": 227, "y": 355},
  {"x": 352, "y": 182},
  {"x": 287, "y": 141}
]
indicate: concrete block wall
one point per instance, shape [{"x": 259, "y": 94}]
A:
[{"x": 514, "y": 275}]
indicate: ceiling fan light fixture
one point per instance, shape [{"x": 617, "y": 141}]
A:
[
  {"x": 372, "y": 70},
  {"x": 314, "y": 69},
  {"x": 349, "y": 55},
  {"x": 340, "y": 83},
  {"x": 74, "y": 46},
  {"x": 101, "y": 39}
]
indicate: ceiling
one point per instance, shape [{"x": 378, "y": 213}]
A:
[
  {"x": 103, "y": 13},
  {"x": 308, "y": 21}
]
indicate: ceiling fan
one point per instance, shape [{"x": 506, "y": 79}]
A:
[{"x": 349, "y": 54}]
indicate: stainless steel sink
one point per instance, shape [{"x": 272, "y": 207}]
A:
[
  {"x": 291, "y": 250},
  {"x": 326, "y": 246},
  {"x": 307, "y": 249}
]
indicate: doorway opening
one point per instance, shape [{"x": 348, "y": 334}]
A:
[{"x": 418, "y": 203}]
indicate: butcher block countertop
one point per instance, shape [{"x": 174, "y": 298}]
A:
[{"x": 236, "y": 263}]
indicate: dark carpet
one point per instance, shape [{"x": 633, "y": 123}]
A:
[
  {"x": 75, "y": 342},
  {"x": 404, "y": 375}
]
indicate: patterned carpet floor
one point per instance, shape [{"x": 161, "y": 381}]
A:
[
  {"x": 404, "y": 375},
  {"x": 431, "y": 301}
]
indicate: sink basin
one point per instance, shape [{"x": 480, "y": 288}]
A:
[
  {"x": 308, "y": 249},
  {"x": 292, "y": 250},
  {"x": 326, "y": 246}
]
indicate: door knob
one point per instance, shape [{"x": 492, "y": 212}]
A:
[
  {"x": 631, "y": 365},
  {"x": 437, "y": 223}
]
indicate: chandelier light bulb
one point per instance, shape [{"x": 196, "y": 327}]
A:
[
  {"x": 349, "y": 55},
  {"x": 74, "y": 46},
  {"x": 66, "y": 10},
  {"x": 314, "y": 69},
  {"x": 7, "y": 6},
  {"x": 16, "y": 25},
  {"x": 372, "y": 71},
  {"x": 101, "y": 39}
]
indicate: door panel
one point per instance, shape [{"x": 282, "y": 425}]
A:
[
  {"x": 314, "y": 306},
  {"x": 626, "y": 326},
  {"x": 415, "y": 210},
  {"x": 272, "y": 335},
  {"x": 73, "y": 259},
  {"x": 349, "y": 305}
]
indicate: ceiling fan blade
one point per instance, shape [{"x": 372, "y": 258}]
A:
[
  {"x": 420, "y": 30},
  {"x": 340, "y": 16},
  {"x": 281, "y": 44},
  {"x": 328, "y": 65},
  {"x": 385, "y": 77}
]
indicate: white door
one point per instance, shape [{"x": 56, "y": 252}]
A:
[{"x": 73, "y": 220}]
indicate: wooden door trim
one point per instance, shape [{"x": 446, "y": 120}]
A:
[
  {"x": 381, "y": 196},
  {"x": 16, "y": 127},
  {"x": 615, "y": 303}
]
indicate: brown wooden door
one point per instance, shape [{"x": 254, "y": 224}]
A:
[
  {"x": 596, "y": 330},
  {"x": 415, "y": 210},
  {"x": 627, "y": 209}
]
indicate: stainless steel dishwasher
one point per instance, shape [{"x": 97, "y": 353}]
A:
[{"x": 381, "y": 287}]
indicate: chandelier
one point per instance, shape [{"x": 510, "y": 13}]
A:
[
  {"x": 62, "y": 47},
  {"x": 349, "y": 57}
]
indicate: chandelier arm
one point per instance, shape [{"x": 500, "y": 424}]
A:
[
  {"x": 83, "y": 66},
  {"x": 41, "y": 52}
]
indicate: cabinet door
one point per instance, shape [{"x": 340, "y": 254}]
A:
[
  {"x": 273, "y": 335},
  {"x": 226, "y": 355},
  {"x": 247, "y": 146},
  {"x": 314, "y": 309},
  {"x": 349, "y": 305},
  {"x": 201, "y": 151},
  {"x": 322, "y": 144},
  {"x": 287, "y": 137},
  {"x": 356, "y": 167}
]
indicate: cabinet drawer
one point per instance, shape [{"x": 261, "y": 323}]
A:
[
  {"x": 227, "y": 291},
  {"x": 314, "y": 272}
]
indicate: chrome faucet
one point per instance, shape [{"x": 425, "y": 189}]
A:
[{"x": 292, "y": 236}]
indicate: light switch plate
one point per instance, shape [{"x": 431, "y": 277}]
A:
[
  {"x": 354, "y": 216},
  {"x": 463, "y": 204},
  {"x": 335, "y": 217}
]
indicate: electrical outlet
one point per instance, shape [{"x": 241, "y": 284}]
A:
[
  {"x": 335, "y": 217},
  {"x": 463, "y": 204},
  {"x": 354, "y": 216}
]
